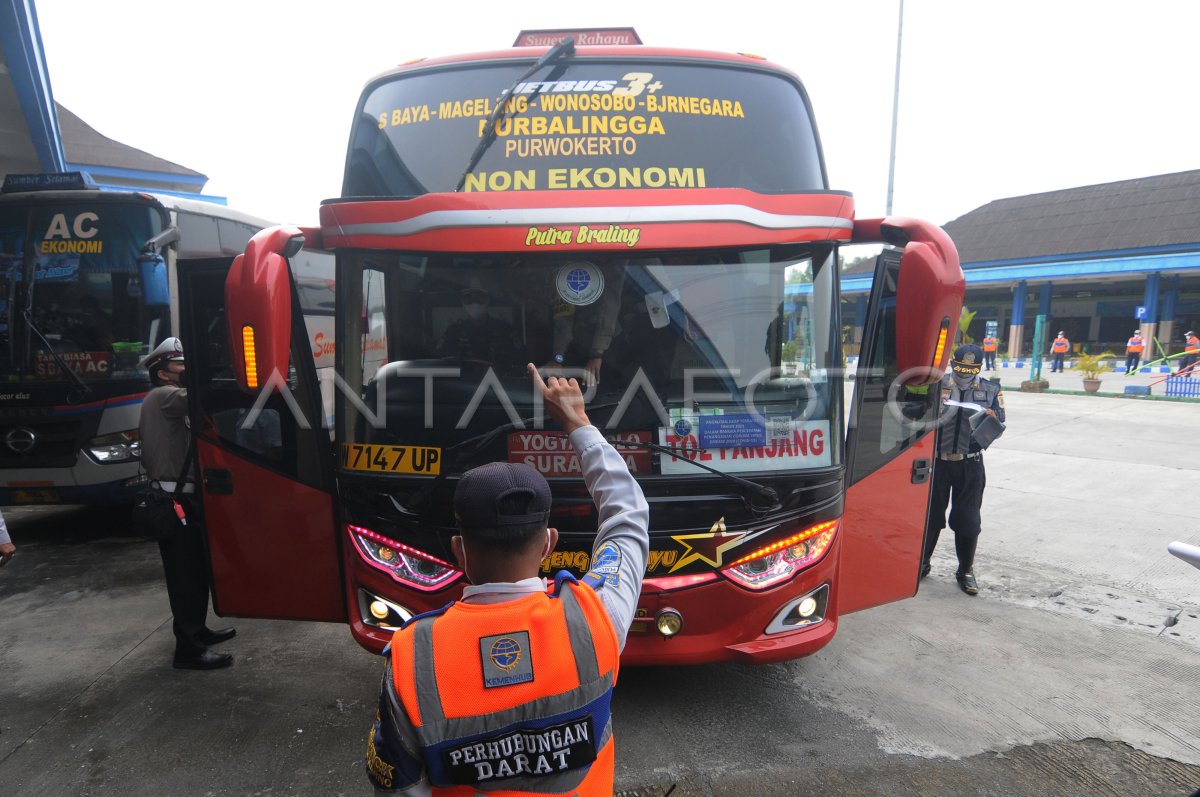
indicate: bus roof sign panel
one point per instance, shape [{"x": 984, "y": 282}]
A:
[
  {"x": 48, "y": 181},
  {"x": 584, "y": 37}
]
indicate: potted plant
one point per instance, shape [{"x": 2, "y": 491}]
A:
[{"x": 1090, "y": 366}]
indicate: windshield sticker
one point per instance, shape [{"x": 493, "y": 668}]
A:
[
  {"x": 419, "y": 460},
  {"x": 551, "y": 453},
  {"x": 803, "y": 445},
  {"x": 579, "y": 283},
  {"x": 730, "y": 431},
  {"x": 56, "y": 269},
  {"x": 77, "y": 236},
  {"x": 83, "y": 363}
]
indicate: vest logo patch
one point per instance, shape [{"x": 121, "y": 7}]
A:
[
  {"x": 523, "y": 751},
  {"x": 505, "y": 659},
  {"x": 607, "y": 564}
]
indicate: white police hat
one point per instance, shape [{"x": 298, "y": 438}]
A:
[{"x": 169, "y": 350}]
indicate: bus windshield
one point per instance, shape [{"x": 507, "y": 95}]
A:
[
  {"x": 74, "y": 266},
  {"x": 704, "y": 352},
  {"x": 584, "y": 123}
]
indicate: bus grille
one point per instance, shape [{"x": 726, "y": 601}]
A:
[{"x": 41, "y": 442}]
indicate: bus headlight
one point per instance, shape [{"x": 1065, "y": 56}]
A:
[
  {"x": 779, "y": 561},
  {"x": 119, "y": 447},
  {"x": 404, "y": 564}
]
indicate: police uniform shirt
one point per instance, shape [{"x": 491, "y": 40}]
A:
[
  {"x": 955, "y": 433},
  {"x": 163, "y": 430}
]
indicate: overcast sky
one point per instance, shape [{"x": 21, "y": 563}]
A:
[{"x": 997, "y": 99}]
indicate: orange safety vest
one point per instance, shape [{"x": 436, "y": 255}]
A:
[
  {"x": 990, "y": 344},
  {"x": 1193, "y": 345},
  {"x": 1060, "y": 345},
  {"x": 1134, "y": 346},
  {"x": 504, "y": 694}
]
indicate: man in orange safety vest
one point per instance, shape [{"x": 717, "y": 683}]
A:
[
  {"x": 507, "y": 691},
  {"x": 1059, "y": 349},
  {"x": 990, "y": 344},
  {"x": 1191, "y": 354},
  {"x": 1133, "y": 352}
]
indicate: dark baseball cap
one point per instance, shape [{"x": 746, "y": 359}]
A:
[
  {"x": 478, "y": 496},
  {"x": 967, "y": 360}
]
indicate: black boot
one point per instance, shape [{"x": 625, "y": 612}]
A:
[
  {"x": 965, "y": 548},
  {"x": 966, "y": 582}
]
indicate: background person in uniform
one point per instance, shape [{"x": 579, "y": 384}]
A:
[
  {"x": 481, "y": 339},
  {"x": 1133, "y": 352},
  {"x": 1191, "y": 353},
  {"x": 990, "y": 344},
  {"x": 509, "y": 688},
  {"x": 958, "y": 474},
  {"x": 7, "y": 549},
  {"x": 1059, "y": 349},
  {"x": 165, "y": 437}
]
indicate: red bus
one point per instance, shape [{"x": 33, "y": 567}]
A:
[{"x": 659, "y": 223}]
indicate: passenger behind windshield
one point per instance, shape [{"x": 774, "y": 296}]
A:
[{"x": 479, "y": 338}]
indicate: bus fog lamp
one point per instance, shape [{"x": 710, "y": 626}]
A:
[
  {"x": 669, "y": 622},
  {"x": 381, "y": 613}
]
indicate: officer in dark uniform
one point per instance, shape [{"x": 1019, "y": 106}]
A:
[
  {"x": 480, "y": 339},
  {"x": 958, "y": 472}
]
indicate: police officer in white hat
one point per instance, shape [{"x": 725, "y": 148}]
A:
[
  {"x": 166, "y": 436},
  {"x": 958, "y": 475}
]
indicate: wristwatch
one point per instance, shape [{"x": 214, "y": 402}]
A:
[{"x": 560, "y": 359}]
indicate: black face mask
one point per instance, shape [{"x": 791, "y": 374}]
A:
[{"x": 184, "y": 379}]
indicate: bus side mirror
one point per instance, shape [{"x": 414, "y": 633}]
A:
[
  {"x": 929, "y": 294},
  {"x": 258, "y": 307},
  {"x": 152, "y": 271}
]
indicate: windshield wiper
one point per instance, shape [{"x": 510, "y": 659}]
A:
[
  {"x": 564, "y": 49},
  {"x": 483, "y": 440},
  {"x": 83, "y": 387},
  {"x": 480, "y": 441},
  {"x": 761, "y": 490}
]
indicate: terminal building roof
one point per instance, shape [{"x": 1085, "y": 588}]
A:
[
  {"x": 84, "y": 145},
  {"x": 1109, "y": 232},
  {"x": 1146, "y": 213}
]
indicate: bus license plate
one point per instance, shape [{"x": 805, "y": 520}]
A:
[{"x": 419, "y": 460}]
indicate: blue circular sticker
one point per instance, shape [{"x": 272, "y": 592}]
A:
[
  {"x": 683, "y": 427},
  {"x": 579, "y": 283}
]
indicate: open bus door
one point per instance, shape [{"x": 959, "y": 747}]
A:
[
  {"x": 264, "y": 453},
  {"x": 915, "y": 301}
]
